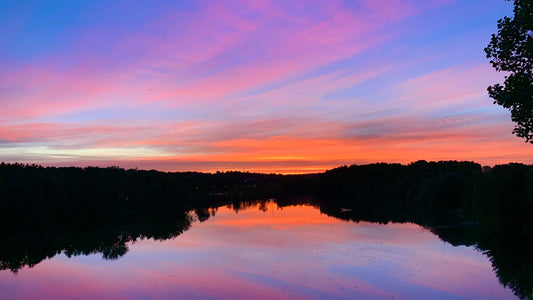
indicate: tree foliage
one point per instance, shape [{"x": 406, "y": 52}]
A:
[
  {"x": 45, "y": 211},
  {"x": 511, "y": 51}
]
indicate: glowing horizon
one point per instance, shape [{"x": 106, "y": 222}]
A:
[{"x": 275, "y": 87}]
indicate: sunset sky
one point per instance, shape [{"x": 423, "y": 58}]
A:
[{"x": 269, "y": 86}]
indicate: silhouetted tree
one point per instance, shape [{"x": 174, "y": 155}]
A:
[
  {"x": 511, "y": 51},
  {"x": 81, "y": 211}
]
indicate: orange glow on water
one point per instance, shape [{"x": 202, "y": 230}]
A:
[{"x": 266, "y": 252}]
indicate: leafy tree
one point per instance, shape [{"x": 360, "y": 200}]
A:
[{"x": 511, "y": 51}]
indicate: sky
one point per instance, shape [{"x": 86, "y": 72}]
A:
[{"x": 262, "y": 86}]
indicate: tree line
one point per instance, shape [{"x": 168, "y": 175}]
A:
[{"x": 45, "y": 211}]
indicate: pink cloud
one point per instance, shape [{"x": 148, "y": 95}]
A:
[
  {"x": 250, "y": 84},
  {"x": 456, "y": 85},
  {"x": 215, "y": 29},
  {"x": 210, "y": 147}
]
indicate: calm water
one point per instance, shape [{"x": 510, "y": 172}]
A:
[{"x": 270, "y": 252}]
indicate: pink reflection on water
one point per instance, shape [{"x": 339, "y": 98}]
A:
[{"x": 294, "y": 252}]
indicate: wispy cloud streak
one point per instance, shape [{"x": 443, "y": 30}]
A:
[{"x": 273, "y": 86}]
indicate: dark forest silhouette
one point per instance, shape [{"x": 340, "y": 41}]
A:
[{"x": 75, "y": 211}]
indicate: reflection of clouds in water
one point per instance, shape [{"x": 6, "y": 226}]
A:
[
  {"x": 319, "y": 256},
  {"x": 279, "y": 253}
]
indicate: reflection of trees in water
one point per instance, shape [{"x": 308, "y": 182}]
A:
[
  {"x": 22, "y": 247},
  {"x": 507, "y": 244},
  {"x": 506, "y": 237},
  {"x": 496, "y": 203},
  {"x": 48, "y": 211}
]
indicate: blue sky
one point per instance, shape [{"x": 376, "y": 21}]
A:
[{"x": 273, "y": 86}]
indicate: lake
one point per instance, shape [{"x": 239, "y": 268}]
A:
[{"x": 265, "y": 251}]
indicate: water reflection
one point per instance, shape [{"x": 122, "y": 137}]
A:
[{"x": 256, "y": 249}]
